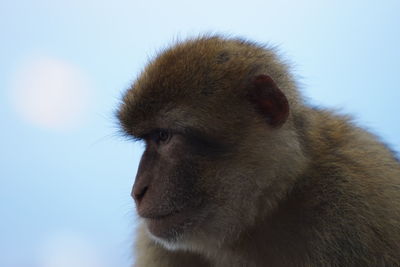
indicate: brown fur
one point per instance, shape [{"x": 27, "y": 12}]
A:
[{"x": 314, "y": 191}]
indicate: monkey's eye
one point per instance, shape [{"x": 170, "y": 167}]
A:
[{"x": 163, "y": 136}]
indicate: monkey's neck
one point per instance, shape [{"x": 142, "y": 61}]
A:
[
  {"x": 288, "y": 219},
  {"x": 282, "y": 238}
]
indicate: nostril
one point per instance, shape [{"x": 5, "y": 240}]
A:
[{"x": 139, "y": 193}]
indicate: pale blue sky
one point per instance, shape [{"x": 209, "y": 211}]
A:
[{"x": 64, "y": 193}]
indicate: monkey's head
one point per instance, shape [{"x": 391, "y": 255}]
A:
[{"x": 221, "y": 150}]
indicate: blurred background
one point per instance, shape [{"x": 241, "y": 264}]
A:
[{"x": 65, "y": 171}]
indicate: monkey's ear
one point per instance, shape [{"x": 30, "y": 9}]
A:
[{"x": 269, "y": 100}]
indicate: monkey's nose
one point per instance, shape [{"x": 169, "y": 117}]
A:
[{"x": 138, "y": 193}]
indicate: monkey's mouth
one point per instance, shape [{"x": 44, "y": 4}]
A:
[
  {"x": 171, "y": 224},
  {"x": 179, "y": 210},
  {"x": 167, "y": 226}
]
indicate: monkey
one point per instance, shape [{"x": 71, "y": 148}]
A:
[{"x": 239, "y": 170}]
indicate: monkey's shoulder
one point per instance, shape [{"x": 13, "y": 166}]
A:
[{"x": 336, "y": 138}]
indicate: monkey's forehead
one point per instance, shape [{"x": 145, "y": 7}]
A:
[{"x": 141, "y": 115}]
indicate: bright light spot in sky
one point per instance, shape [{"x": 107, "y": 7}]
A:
[
  {"x": 69, "y": 249},
  {"x": 50, "y": 93}
]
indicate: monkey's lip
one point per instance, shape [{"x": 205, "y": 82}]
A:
[{"x": 178, "y": 211}]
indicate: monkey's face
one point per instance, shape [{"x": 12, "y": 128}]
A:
[{"x": 170, "y": 191}]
